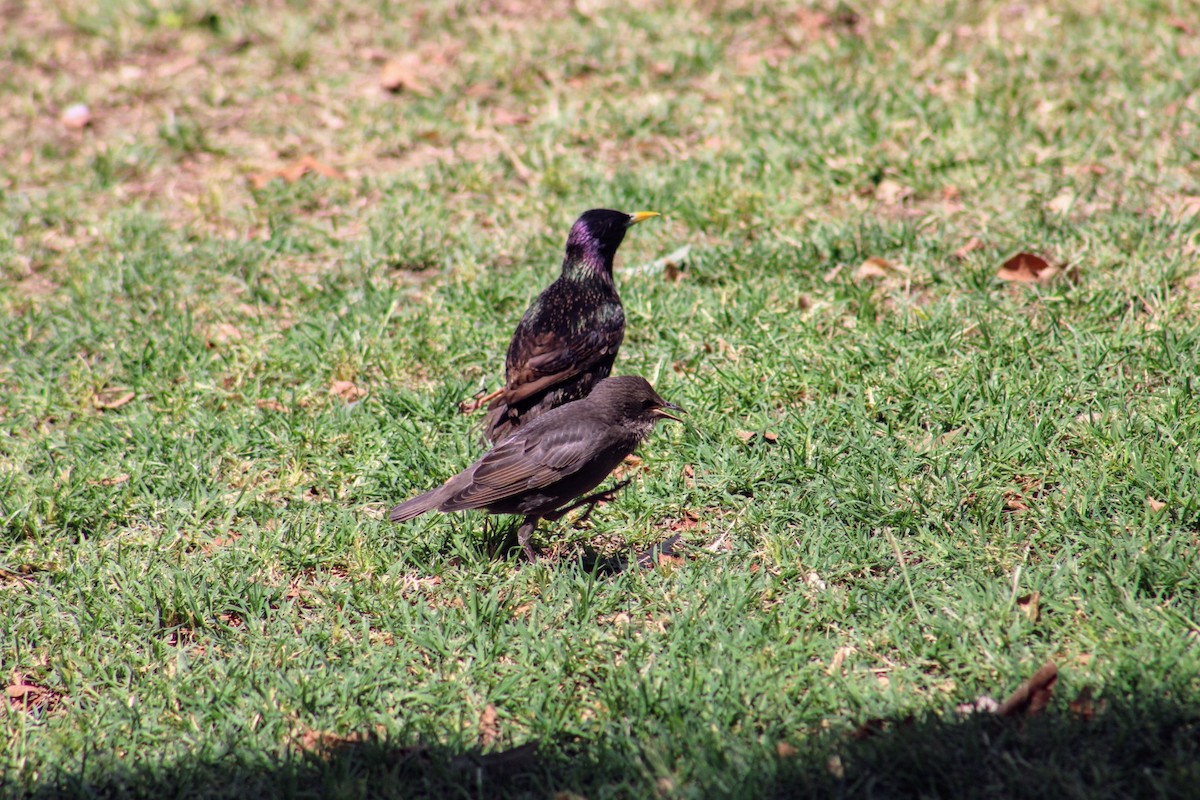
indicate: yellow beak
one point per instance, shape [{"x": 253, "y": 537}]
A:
[{"x": 641, "y": 216}]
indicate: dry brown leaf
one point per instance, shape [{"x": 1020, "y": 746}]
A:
[
  {"x": 689, "y": 476},
  {"x": 113, "y": 481},
  {"x": 295, "y": 171},
  {"x": 747, "y": 436},
  {"x": 502, "y": 117},
  {"x": 347, "y": 391},
  {"x": 1032, "y": 696},
  {"x": 890, "y": 192},
  {"x": 1026, "y": 268},
  {"x": 324, "y": 742},
  {"x": 1181, "y": 25},
  {"x": 833, "y": 274},
  {"x": 1085, "y": 705},
  {"x": 404, "y": 74},
  {"x": 112, "y": 398},
  {"x": 689, "y": 520},
  {"x": 970, "y": 246},
  {"x": 25, "y": 695},
  {"x": 1013, "y": 501},
  {"x": 76, "y": 116},
  {"x": 1062, "y": 202},
  {"x": 223, "y": 332},
  {"x": 873, "y": 267},
  {"x": 36, "y": 285},
  {"x": 1155, "y": 505},
  {"x": 771, "y": 436},
  {"x": 1187, "y": 206},
  {"x": 1029, "y": 605},
  {"x": 839, "y": 658},
  {"x": 489, "y": 728},
  {"x": 304, "y": 165},
  {"x": 271, "y": 404},
  {"x": 785, "y": 749}
]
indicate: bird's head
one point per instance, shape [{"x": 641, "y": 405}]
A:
[
  {"x": 597, "y": 234},
  {"x": 631, "y": 400}
]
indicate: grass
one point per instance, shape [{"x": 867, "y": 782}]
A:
[{"x": 201, "y": 596}]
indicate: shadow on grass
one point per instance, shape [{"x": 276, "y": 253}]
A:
[{"x": 1135, "y": 748}]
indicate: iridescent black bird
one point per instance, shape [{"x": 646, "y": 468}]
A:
[
  {"x": 552, "y": 460},
  {"x": 569, "y": 336}
]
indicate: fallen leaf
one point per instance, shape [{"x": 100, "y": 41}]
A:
[
  {"x": 502, "y": 117},
  {"x": 271, "y": 404},
  {"x": 1028, "y": 604},
  {"x": 834, "y": 766},
  {"x": 113, "y": 481},
  {"x": 76, "y": 116},
  {"x": 25, "y": 695},
  {"x": 771, "y": 436},
  {"x": 1032, "y": 696},
  {"x": 1188, "y": 206},
  {"x": 1062, "y": 202},
  {"x": 1026, "y": 268},
  {"x": 785, "y": 749},
  {"x": 875, "y": 267},
  {"x": 747, "y": 436},
  {"x": 112, "y": 398},
  {"x": 223, "y": 332},
  {"x": 1155, "y": 505},
  {"x": 347, "y": 391},
  {"x": 970, "y": 246},
  {"x": 295, "y": 171},
  {"x": 325, "y": 742},
  {"x": 890, "y": 192},
  {"x": 1181, "y": 25},
  {"x": 832, "y": 274},
  {"x": 489, "y": 729},
  {"x": 302, "y": 166},
  {"x": 36, "y": 285},
  {"x": 1014, "y": 502},
  {"x": 404, "y": 74},
  {"x": 689, "y": 520},
  {"x": 839, "y": 658},
  {"x": 1085, "y": 706}
]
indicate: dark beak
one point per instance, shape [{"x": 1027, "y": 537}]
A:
[{"x": 665, "y": 414}]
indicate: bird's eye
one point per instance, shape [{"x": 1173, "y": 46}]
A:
[{"x": 649, "y": 403}]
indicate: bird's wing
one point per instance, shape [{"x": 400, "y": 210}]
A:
[
  {"x": 523, "y": 463},
  {"x": 548, "y": 359}
]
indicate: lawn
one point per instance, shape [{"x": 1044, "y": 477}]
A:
[{"x": 253, "y": 256}]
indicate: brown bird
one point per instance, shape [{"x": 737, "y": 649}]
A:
[
  {"x": 554, "y": 459},
  {"x": 569, "y": 336}
]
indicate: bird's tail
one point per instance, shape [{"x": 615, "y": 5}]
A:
[{"x": 416, "y": 506}]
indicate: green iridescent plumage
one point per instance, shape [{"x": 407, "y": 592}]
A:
[{"x": 568, "y": 338}]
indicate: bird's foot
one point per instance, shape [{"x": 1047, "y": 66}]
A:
[{"x": 478, "y": 401}]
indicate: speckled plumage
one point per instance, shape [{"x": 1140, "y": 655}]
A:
[
  {"x": 568, "y": 338},
  {"x": 552, "y": 460}
]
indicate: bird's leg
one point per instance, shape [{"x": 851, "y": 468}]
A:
[
  {"x": 477, "y": 402},
  {"x": 525, "y": 534},
  {"x": 591, "y": 501}
]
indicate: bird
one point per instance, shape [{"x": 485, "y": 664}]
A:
[
  {"x": 568, "y": 338},
  {"x": 554, "y": 459}
]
